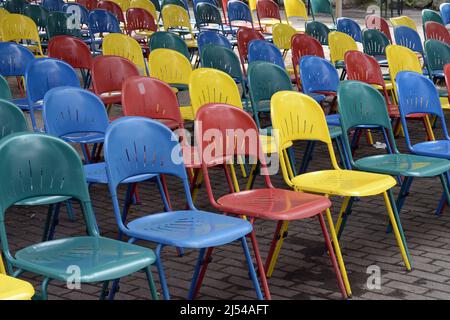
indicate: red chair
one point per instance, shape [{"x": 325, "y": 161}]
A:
[
  {"x": 437, "y": 31},
  {"x": 365, "y": 68},
  {"x": 268, "y": 202},
  {"x": 267, "y": 9},
  {"x": 89, "y": 4},
  {"x": 140, "y": 24},
  {"x": 447, "y": 79},
  {"x": 112, "y": 7},
  {"x": 304, "y": 45},
  {"x": 73, "y": 51},
  {"x": 378, "y": 23},
  {"x": 108, "y": 75},
  {"x": 244, "y": 36}
]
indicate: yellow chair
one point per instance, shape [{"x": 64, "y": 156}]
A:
[
  {"x": 403, "y": 21},
  {"x": 295, "y": 9},
  {"x": 282, "y": 34},
  {"x": 176, "y": 17},
  {"x": 123, "y": 4},
  {"x": 16, "y": 27},
  {"x": 12, "y": 288},
  {"x": 3, "y": 12},
  {"x": 296, "y": 117},
  {"x": 117, "y": 44},
  {"x": 146, "y": 5},
  {"x": 339, "y": 44}
]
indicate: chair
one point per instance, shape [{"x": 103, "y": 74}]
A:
[
  {"x": 100, "y": 259},
  {"x": 79, "y": 10},
  {"x": 444, "y": 8},
  {"x": 289, "y": 108},
  {"x": 16, "y": 27},
  {"x": 108, "y": 75},
  {"x": 206, "y": 38},
  {"x": 322, "y": 6},
  {"x": 374, "y": 112},
  {"x": 15, "y": 6},
  {"x": 239, "y": 15},
  {"x": 339, "y": 44},
  {"x": 403, "y": 21},
  {"x": 437, "y": 55},
  {"x": 88, "y": 4},
  {"x": 73, "y": 51},
  {"x": 180, "y": 3},
  {"x": 260, "y": 50},
  {"x": 282, "y": 34},
  {"x": 295, "y": 9},
  {"x": 257, "y": 203},
  {"x": 100, "y": 22},
  {"x": 407, "y": 37},
  {"x": 177, "y": 18},
  {"x": 350, "y": 27},
  {"x": 447, "y": 79},
  {"x": 206, "y": 15},
  {"x": 147, "y": 5},
  {"x": 42, "y": 75},
  {"x": 268, "y": 13},
  {"x": 166, "y": 228},
  {"x": 39, "y": 15},
  {"x": 140, "y": 24},
  {"x": 436, "y": 31},
  {"x": 431, "y": 15},
  {"x": 123, "y": 4},
  {"x": 374, "y": 44},
  {"x": 319, "y": 31},
  {"x": 53, "y": 5},
  {"x": 61, "y": 23},
  {"x": 378, "y": 23},
  {"x": 168, "y": 40},
  {"x": 244, "y": 36},
  {"x": 117, "y": 44},
  {"x": 5, "y": 91},
  {"x": 112, "y": 7}
]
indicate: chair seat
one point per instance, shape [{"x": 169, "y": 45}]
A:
[
  {"x": 404, "y": 164},
  {"x": 22, "y": 103},
  {"x": 84, "y": 137},
  {"x": 335, "y": 131},
  {"x": 382, "y": 61},
  {"x": 333, "y": 119},
  {"x": 96, "y": 173},
  {"x": 317, "y": 96},
  {"x": 40, "y": 201},
  {"x": 344, "y": 182},
  {"x": 274, "y": 204},
  {"x": 98, "y": 258},
  {"x": 438, "y": 148},
  {"x": 111, "y": 98},
  {"x": 189, "y": 228},
  {"x": 15, "y": 289}
]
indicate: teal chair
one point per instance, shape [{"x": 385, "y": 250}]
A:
[
  {"x": 12, "y": 119},
  {"x": 41, "y": 169},
  {"x": 5, "y": 91}
]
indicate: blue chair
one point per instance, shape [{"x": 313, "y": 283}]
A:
[
  {"x": 53, "y": 5},
  {"x": 407, "y": 37},
  {"x": 445, "y": 12},
  {"x": 350, "y": 27},
  {"x": 101, "y": 21},
  {"x": 42, "y": 75},
  {"x": 14, "y": 59},
  {"x": 261, "y": 50},
  {"x": 205, "y": 38},
  {"x": 130, "y": 153},
  {"x": 239, "y": 11}
]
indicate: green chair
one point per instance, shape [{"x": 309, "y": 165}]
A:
[
  {"x": 374, "y": 44},
  {"x": 39, "y": 15},
  {"x": 324, "y": 7},
  {"x": 35, "y": 166},
  {"x": 15, "y": 6},
  {"x": 169, "y": 40},
  {"x": 12, "y": 119},
  {"x": 5, "y": 91},
  {"x": 58, "y": 24},
  {"x": 437, "y": 54},
  {"x": 319, "y": 31},
  {"x": 431, "y": 15},
  {"x": 373, "y": 114}
]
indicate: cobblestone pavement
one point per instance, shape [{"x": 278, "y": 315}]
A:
[{"x": 303, "y": 270}]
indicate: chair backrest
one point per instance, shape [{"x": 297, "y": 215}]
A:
[
  {"x": 61, "y": 23},
  {"x": 168, "y": 40},
  {"x": 447, "y": 79},
  {"x": 112, "y": 7},
  {"x": 376, "y": 22},
  {"x": 5, "y": 91},
  {"x": 150, "y": 98},
  {"x": 444, "y": 8},
  {"x": 239, "y": 11},
  {"x": 117, "y": 44},
  {"x": 78, "y": 11},
  {"x": 71, "y": 110},
  {"x": 339, "y": 44},
  {"x": 15, "y": 6},
  {"x": 12, "y": 119},
  {"x": 139, "y": 19},
  {"x": 282, "y": 34},
  {"x": 109, "y": 72},
  {"x": 147, "y": 5},
  {"x": 407, "y": 37},
  {"x": 14, "y": 59},
  {"x": 206, "y": 13},
  {"x": 267, "y": 9},
  {"x": 244, "y": 36},
  {"x": 195, "y": 2},
  {"x": 363, "y": 67},
  {"x": 123, "y": 4},
  {"x": 318, "y": 75},
  {"x": 437, "y": 55},
  {"x": 37, "y": 13},
  {"x": 403, "y": 21},
  {"x": 15, "y": 27},
  {"x": 175, "y": 16},
  {"x": 101, "y": 21},
  {"x": 295, "y": 9},
  {"x": 169, "y": 66},
  {"x": 350, "y": 27},
  {"x": 71, "y": 50},
  {"x": 431, "y": 15},
  {"x": 319, "y": 31},
  {"x": 206, "y": 38},
  {"x": 321, "y": 6},
  {"x": 88, "y": 4},
  {"x": 179, "y": 3},
  {"x": 304, "y": 45},
  {"x": 223, "y": 59},
  {"x": 208, "y": 85},
  {"x": 437, "y": 31},
  {"x": 53, "y": 5},
  {"x": 261, "y": 50},
  {"x": 374, "y": 42}
]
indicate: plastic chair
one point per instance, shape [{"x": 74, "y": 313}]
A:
[
  {"x": 350, "y": 27},
  {"x": 375, "y": 43},
  {"x": 123, "y": 4},
  {"x": 437, "y": 55},
  {"x": 112, "y": 7},
  {"x": 147, "y": 5},
  {"x": 38, "y": 14},
  {"x": 77, "y": 9},
  {"x": 180, "y": 3},
  {"x": 304, "y": 45},
  {"x": 244, "y": 36},
  {"x": 210, "y": 229},
  {"x": 239, "y": 15},
  {"x": 447, "y": 79},
  {"x": 295, "y": 9},
  {"x": 444, "y": 8},
  {"x": 288, "y": 108},
  {"x": 206, "y": 15},
  {"x": 322, "y": 6},
  {"x": 339, "y": 44},
  {"x": 177, "y": 18},
  {"x": 436, "y": 31},
  {"x": 431, "y": 15},
  {"x": 16, "y": 27},
  {"x": 100, "y": 22},
  {"x": 374, "y": 112},
  {"x": 282, "y": 34},
  {"x": 73, "y": 51},
  {"x": 108, "y": 75},
  {"x": 116, "y": 44},
  {"x": 168, "y": 40},
  {"x": 407, "y": 37},
  {"x": 15, "y": 6},
  {"x": 53, "y": 5},
  {"x": 88, "y": 4},
  {"x": 206, "y": 38},
  {"x": 319, "y": 31},
  {"x": 100, "y": 259},
  {"x": 256, "y": 203},
  {"x": 260, "y": 50},
  {"x": 378, "y": 23},
  {"x": 60, "y": 23},
  {"x": 140, "y": 24},
  {"x": 267, "y": 12},
  {"x": 403, "y": 21},
  {"x": 5, "y": 91}
]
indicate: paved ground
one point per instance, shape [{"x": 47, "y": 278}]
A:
[{"x": 303, "y": 270}]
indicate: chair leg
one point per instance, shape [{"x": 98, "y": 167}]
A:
[
  {"x": 332, "y": 256},
  {"x": 69, "y": 209},
  {"x": 397, "y": 227},
  {"x": 275, "y": 248},
  {"x": 251, "y": 269},
  {"x": 205, "y": 262},
  {"x": 151, "y": 283},
  {"x": 54, "y": 222},
  {"x": 307, "y": 157},
  {"x": 104, "y": 291},
  {"x": 428, "y": 128},
  {"x": 44, "y": 288},
  {"x": 262, "y": 273},
  {"x": 404, "y": 192},
  {"x": 345, "y": 211},
  {"x": 2, "y": 265},
  {"x": 162, "y": 276},
  {"x": 445, "y": 196},
  {"x": 196, "y": 273},
  {"x": 252, "y": 177}
]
